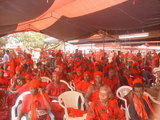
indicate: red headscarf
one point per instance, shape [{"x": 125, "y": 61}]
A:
[
  {"x": 98, "y": 73},
  {"x": 18, "y": 68},
  {"x": 87, "y": 72},
  {"x": 34, "y": 84},
  {"x": 137, "y": 80},
  {"x": 78, "y": 70}
]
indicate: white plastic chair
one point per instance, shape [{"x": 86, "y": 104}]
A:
[
  {"x": 15, "y": 108},
  {"x": 67, "y": 85},
  {"x": 71, "y": 99},
  {"x": 46, "y": 79},
  {"x": 121, "y": 93},
  {"x": 72, "y": 85},
  {"x": 151, "y": 97}
]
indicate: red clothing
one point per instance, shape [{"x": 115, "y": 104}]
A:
[
  {"x": 53, "y": 91},
  {"x": 77, "y": 79},
  {"x": 30, "y": 62},
  {"x": 39, "y": 103},
  {"x": 23, "y": 88},
  {"x": 4, "y": 83},
  {"x": 94, "y": 96},
  {"x": 129, "y": 80},
  {"x": 12, "y": 65},
  {"x": 110, "y": 112},
  {"x": 139, "y": 107},
  {"x": 113, "y": 84},
  {"x": 75, "y": 112},
  {"x": 83, "y": 86}
]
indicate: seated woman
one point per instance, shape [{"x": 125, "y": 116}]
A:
[
  {"x": 35, "y": 104},
  {"x": 140, "y": 107},
  {"x": 83, "y": 85},
  {"x": 93, "y": 90},
  {"x": 54, "y": 89},
  {"x": 105, "y": 108}
]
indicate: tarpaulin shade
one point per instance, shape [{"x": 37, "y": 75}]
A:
[
  {"x": 77, "y": 19},
  {"x": 67, "y": 29}
]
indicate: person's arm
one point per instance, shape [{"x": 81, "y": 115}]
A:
[
  {"x": 20, "y": 115},
  {"x": 91, "y": 115},
  {"x": 88, "y": 94},
  {"x": 133, "y": 113},
  {"x": 118, "y": 113},
  {"x": 46, "y": 102},
  {"x": 53, "y": 97}
]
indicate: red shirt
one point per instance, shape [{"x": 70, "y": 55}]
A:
[
  {"x": 40, "y": 105},
  {"x": 110, "y": 112},
  {"x": 83, "y": 86},
  {"x": 53, "y": 91}
]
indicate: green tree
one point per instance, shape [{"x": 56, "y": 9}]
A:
[
  {"x": 30, "y": 39},
  {"x": 3, "y": 41}
]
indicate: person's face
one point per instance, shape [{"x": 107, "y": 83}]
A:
[
  {"x": 158, "y": 74},
  {"x": 20, "y": 82},
  {"x": 138, "y": 91},
  {"x": 18, "y": 72},
  {"x": 1, "y": 74},
  {"x": 61, "y": 69},
  {"x": 79, "y": 73},
  {"x": 111, "y": 72},
  {"x": 33, "y": 91},
  {"x": 86, "y": 77},
  {"x": 55, "y": 77},
  {"x": 105, "y": 95},
  {"x": 126, "y": 72},
  {"x": 98, "y": 78}
]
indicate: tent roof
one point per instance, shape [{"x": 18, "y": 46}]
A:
[{"x": 80, "y": 19}]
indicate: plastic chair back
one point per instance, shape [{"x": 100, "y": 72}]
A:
[{"x": 67, "y": 85}]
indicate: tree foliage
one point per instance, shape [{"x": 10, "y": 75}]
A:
[
  {"x": 3, "y": 41},
  {"x": 29, "y": 39}
]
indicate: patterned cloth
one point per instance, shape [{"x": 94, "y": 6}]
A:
[{"x": 110, "y": 112}]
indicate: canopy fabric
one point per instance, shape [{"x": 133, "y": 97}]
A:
[{"x": 77, "y": 19}]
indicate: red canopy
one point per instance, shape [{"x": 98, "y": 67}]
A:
[{"x": 77, "y": 19}]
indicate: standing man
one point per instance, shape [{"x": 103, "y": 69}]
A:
[{"x": 5, "y": 58}]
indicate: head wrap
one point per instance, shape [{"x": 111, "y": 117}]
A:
[
  {"x": 87, "y": 72},
  {"x": 137, "y": 80},
  {"x": 18, "y": 68},
  {"x": 34, "y": 84},
  {"x": 98, "y": 73},
  {"x": 78, "y": 70}
]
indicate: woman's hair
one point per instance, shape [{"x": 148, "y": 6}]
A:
[{"x": 138, "y": 85}]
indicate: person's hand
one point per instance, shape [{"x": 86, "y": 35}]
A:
[{"x": 40, "y": 91}]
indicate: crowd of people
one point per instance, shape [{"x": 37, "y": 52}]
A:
[{"x": 97, "y": 75}]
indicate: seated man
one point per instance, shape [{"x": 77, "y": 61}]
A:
[
  {"x": 106, "y": 108},
  {"x": 140, "y": 107},
  {"x": 35, "y": 104}
]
